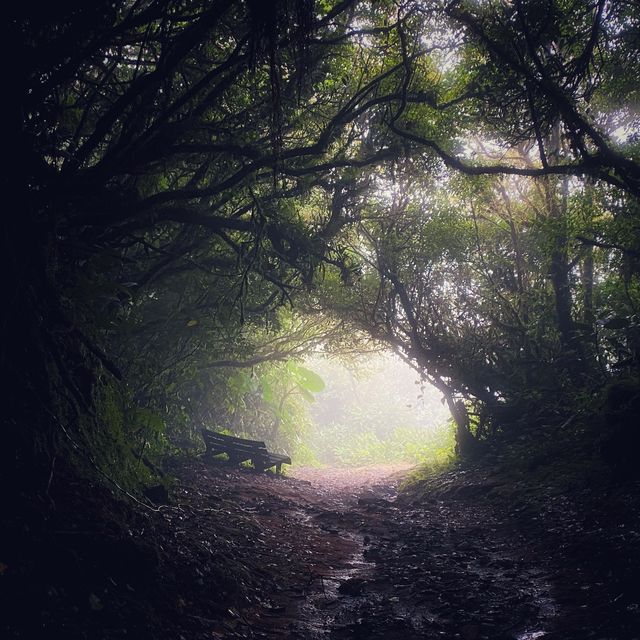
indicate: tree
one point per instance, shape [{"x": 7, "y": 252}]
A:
[{"x": 206, "y": 162}]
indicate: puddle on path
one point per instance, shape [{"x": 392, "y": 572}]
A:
[{"x": 335, "y": 598}]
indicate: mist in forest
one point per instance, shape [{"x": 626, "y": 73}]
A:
[{"x": 376, "y": 409}]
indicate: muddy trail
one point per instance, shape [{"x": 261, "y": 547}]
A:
[
  {"x": 346, "y": 557},
  {"x": 395, "y": 571},
  {"x": 331, "y": 554}
]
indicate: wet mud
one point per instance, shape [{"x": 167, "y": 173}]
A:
[
  {"x": 363, "y": 561},
  {"x": 329, "y": 555}
]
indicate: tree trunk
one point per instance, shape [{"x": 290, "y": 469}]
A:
[
  {"x": 557, "y": 191},
  {"x": 466, "y": 444},
  {"x": 588, "y": 317}
]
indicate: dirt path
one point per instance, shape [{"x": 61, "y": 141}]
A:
[
  {"x": 443, "y": 571},
  {"x": 476, "y": 554},
  {"x": 347, "y": 559}
]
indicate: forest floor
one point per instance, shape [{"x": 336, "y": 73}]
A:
[{"x": 336, "y": 554}]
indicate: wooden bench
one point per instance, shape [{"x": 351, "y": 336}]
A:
[{"x": 243, "y": 450}]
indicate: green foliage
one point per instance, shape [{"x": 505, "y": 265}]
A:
[
  {"x": 204, "y": 179},
  {"x": 305, "y": 379},
  {"x": 129, "y": 445},
  {"x": 271, "y": 403},
  {"x": 403, "y": 444}
]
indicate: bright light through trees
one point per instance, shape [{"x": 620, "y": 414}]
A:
[{"x": 376, "y": 409}]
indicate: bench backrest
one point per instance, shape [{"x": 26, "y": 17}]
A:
[{"x": 221, "y": 440}]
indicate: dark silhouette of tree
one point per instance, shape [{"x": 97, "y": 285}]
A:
[{"x": 179, "y": 170}]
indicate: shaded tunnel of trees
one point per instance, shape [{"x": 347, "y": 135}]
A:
[{"x": 200, "y": 193}]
